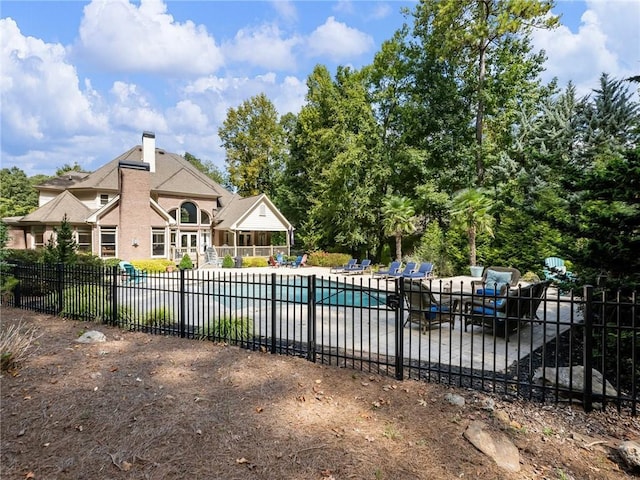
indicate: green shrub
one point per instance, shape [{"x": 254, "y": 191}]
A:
[
  {"x": 24, "y": 256},
  {"x": 254, "y": 262},
  {"x": 158, "y": 317},
  {"x": 185, "y": 263},
  {"x": 90, "y": 303},
  {"x": 530, "y": 277},
  {"x": 111, "y": 262},
  {"x": 154, "y": 265},
  {"x": 227, "y": 329},
  {"x": 324, "y": 259},
  {"x": 227, "y": 261},
  {"x": 89, "y": 260}
]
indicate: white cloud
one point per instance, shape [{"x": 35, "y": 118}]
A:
[
  {"x": 607, "y": 41},
  {"x": 118, "y": 36},
  {"x": 338, "y": 41},
  {"x": 187, "y": 116},
  {"x": 380, "y": 11},
  {"x": 286, "y": 9},
  {"x": 344, "y": 6},
  {"x": 263, "y": 47},
  {"x": 41, "y": 96},
  {"x": 130, "y": 109}
]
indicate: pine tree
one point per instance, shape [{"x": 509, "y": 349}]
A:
[{"x": 63, "y": 248}]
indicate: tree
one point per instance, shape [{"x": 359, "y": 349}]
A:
[
  {"x": 398, "y": 219},
  {"x": 484, "y": 45},
  {"x": 18, "y": 196},
  {"x": 68, "y": 168},
  {"x": 471, "y": 209},
  {"x": 208, "y": 168},
  {"x": 63, "y": 248},
  {"x": 253, "y": 139}
]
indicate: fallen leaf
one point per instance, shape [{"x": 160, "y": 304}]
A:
[
  {"x": 30, "y": 475},
  {"x": 241, "y": 460},
  {"x": 114, "y": 369},
  {"x": 259, "y": 409},
  {"x": 126, "y": 466}
]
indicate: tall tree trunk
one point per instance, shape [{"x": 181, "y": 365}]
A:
[
  {"x": 399, "y": 247},
  {"x": 482, "y": 67},
  {"x": 472, "y": 245}
]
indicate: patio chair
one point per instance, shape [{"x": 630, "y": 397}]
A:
[
  {"x": 424, "y": 308},
  {"x": 409, "y": 267},
  {"x": 555, "y": 270},
  {"x": 504, "y": 315},
  {"x": 393, "y": 268},
  {"x": 496, "y": 280},
  {"x": 273, "y": 262},
  {"x": 131, "y": 273},
  {"x": 350, "y": 264},
  {"x": 425, "y": 271},
  {"x": 281, "y": 261},
  {"x": 301, "y": 261},
  {"x": 358, "y": 268},
  {"x": 211, "y": 257}
]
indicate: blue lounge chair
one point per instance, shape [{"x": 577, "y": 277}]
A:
[
  {"x": 393, "y": 268},
  {"x": 409, "y": 267},
  {"x": 358, "y": 268},
  {"x": 301, "y": 261},
  {"x": 425, "y": 271},
  {"x": 131, "y": 273},
  {"x": 350, "y": 264},
  {"x": 555, "y": 270}
]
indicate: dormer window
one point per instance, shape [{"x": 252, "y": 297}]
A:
[{"x": 104, "y": 199}]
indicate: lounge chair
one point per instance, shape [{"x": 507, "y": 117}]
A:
[
  {"x": 503, "y": 315},
  {"x": 301, "y": 261},
  {"x": 211, "y": 257},
  {"x": 425, "y": 271},
  {"x": 409, "y": 267},
  {"x": 424, "y": 308},
  {"x": 350, "y": 264},
  {"x": 358, "y": 268},
  {"x": 496, "y": 281},
  {"x": 393, "y": 268},
  {"x": 132, "y": 274},
  {"x": 555, "y": 270},
  {"x": 281, "y": 261}
]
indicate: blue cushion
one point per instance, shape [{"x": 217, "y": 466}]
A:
[{"x": 497, "y": 280}]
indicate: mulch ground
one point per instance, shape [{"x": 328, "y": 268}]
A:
[{"x": 152, "y": 407}]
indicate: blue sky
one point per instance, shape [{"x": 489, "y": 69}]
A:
[{"x": 80, "y": 81}]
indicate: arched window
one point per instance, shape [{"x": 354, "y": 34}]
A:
[
  {"x": 205, "y": 219},
  {"x": 188, "y": 213}
]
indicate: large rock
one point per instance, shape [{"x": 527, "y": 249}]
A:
[
  {"x": 495, "y": 445},
  {"x": 92, "y": 336},
  {"x": 630, "y": 452},
  {"x": 576, "y": 375}
]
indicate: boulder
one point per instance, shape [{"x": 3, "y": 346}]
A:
[
  {"x": 495, "y": 445},
  {"x": 92, "y": 336},
  {"x": 576, "y": 375},
  {"x": 630, "y": 452}
]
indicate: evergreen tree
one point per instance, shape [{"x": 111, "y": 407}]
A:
[{"x": 62, "y": 248}]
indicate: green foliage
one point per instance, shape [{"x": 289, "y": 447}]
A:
[
  {"x": 227, "y": 261},
  {"x": 471, "y": 211},
  {"x": 398, "y": 219},
  {"x": 433, "y": 248},
  {"x": 18, "y": 195},
  {"x": 208, "y": 168},
  {"x": 63, "y": 248},
  {"x": 255, "y": 262},
  {"x": 226, "y": 329},
  {"x": 154, "y": 265},
  {"x": 324, "y": 259},
  {"x": 253, "y": 139},
  {"x": 385, "y": 255},
  {"x": 89, "y": 303},
  {"x": 158, "y": 317},
  {"x": 68, "y": 168},
  {"x": 185, "y": 263}
]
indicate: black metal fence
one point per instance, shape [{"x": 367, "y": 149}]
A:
[{"x": 574, "y": 347}]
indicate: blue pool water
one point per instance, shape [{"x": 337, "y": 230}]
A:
[{"x": 296, "y": 290}]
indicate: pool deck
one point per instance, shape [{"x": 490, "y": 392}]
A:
[{"x": 475, "y": 348}]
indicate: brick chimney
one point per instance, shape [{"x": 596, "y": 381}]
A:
[
  {"x": 149, "y": 150},
  {"x": 134, "y": 223}
]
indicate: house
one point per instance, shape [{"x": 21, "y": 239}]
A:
[{"x": 149, "y": 203}]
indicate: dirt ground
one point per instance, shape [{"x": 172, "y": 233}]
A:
[{"x": 148, "y": 407}]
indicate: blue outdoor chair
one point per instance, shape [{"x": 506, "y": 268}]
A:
[
  {"x": 409, "y": 268},
  {"x": 424, "y": 308},
  {"x": 393, "y": 268},
  {"x": 425, "y": 271},
  {"x": 350, "y": 264},
  {"x": 358, "y": 268},
  {"x": 131, "y": 273}
]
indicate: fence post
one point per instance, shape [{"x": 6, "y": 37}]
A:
[
  {"x": 60, "y": 285},
  {"x": 399, "y": 313},
  {"x": 587, "y": 394},
  {"x": 181, "y": 313},
  {"x": 114, "y": 295},
  {"x": 274, "y": 330},
  {"x": 311, "y": 319}
]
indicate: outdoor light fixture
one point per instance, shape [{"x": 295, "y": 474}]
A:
[{"x": 134, "y": 242}]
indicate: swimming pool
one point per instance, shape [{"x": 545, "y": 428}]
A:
[{"x": 296, "y": 290}]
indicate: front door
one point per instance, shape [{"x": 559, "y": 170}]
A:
[{"x": 188, "y": 245}]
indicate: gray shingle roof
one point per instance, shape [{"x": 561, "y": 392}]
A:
[{"x": 54, "y": 211}]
